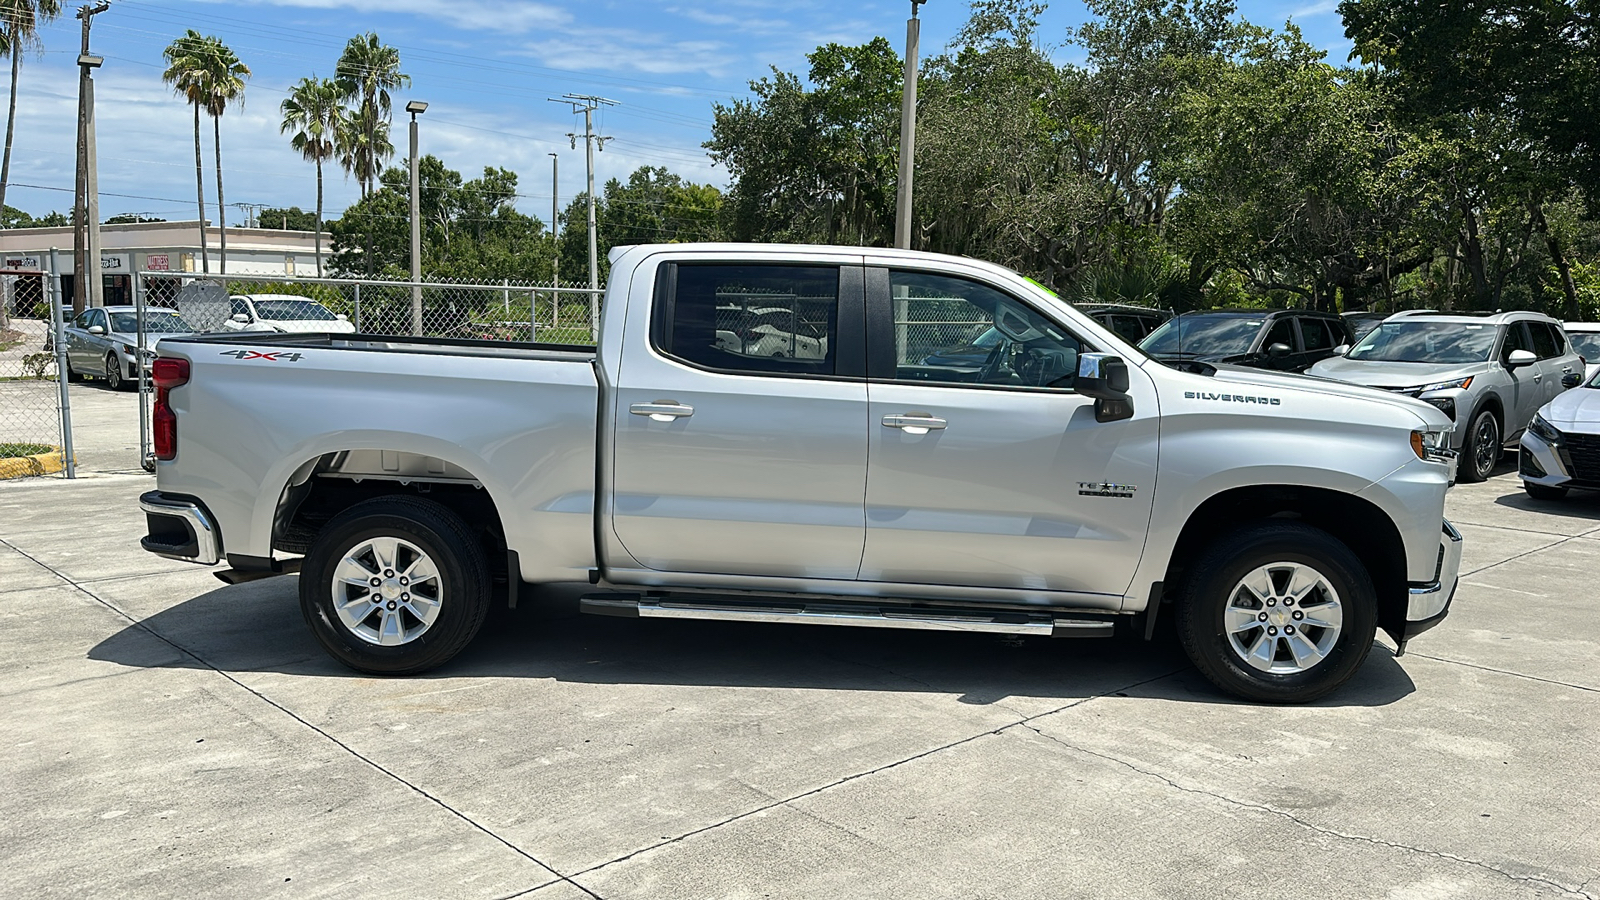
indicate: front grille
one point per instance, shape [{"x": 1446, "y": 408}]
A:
[
  {"x": 1407, "y": 391},
  {"x": 1580, "y": 453}
]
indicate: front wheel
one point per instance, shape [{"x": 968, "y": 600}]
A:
[
  {"x": 1480, "y": 452},
  {"x": 114, "y": 379},
  {"x": 1544, "y": 492},
  {"x": 1281, "y": 613},
  {"x": 395, "y": 586}
]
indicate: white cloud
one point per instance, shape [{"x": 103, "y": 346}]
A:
[{"x": 517, "y": 17}]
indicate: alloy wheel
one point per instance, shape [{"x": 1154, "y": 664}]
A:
[{"x": 1283, "y": 618}]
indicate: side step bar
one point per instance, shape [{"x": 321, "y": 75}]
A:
[{"x": 859, "y": 616}]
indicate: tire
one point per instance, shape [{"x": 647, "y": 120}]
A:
[
  {"x": 411, "y": 626},
  {"x": 1311, "y": 663},
  {"x": 72, "y": 374},
  {"x": 1544, "y": 492},
  {"x": 1480, "y": 451},
  {"x": 114, "y": 379}
]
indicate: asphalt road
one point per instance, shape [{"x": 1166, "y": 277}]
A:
[{"x": 166, "y": 736}]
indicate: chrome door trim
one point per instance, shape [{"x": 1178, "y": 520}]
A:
[{"x": 915, "y": 423}]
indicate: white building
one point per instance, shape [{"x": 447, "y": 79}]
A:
[{"x": 25, "y": 258}]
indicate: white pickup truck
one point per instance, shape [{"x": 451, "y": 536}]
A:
[{"x": 877, "y": 473}]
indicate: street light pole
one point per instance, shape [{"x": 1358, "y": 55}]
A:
[
  {"x": 555, "y": 239},
  {"x": 415, "y": 108},
  {"x": 908, "y": 133}
]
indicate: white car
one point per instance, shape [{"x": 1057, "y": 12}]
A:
[
  {"x": 284, "y": 314},
  {"x": 1561, "y": 448},
  {"x": 771, "y": 331},
  {"x": 1585, "y": 338}
]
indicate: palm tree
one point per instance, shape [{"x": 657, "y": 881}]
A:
[
  {"x": 313, "y": 112},
  {"x": 362, "y": 143},
  {"x": 366, "y": 72},
  {"x": 188, "y": 73},
  {"x": 19, "y": 30},
  {"x": 225, "y": 88}
]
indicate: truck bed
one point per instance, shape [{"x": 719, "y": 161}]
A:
[{"x": 401, "y": 344}]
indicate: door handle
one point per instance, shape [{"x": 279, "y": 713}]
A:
[
  {"x": 662, "y": 410},
  {"x": 915, "y": 424}
]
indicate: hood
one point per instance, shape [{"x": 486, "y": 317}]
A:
[
  {"x": 310, "y": 326},
  {"x": 1392, "y": 374},
  {"x": 150, "y": 337},
  {"x": 1579, "y": 406},
  {"x": 1240, "y": 375}
]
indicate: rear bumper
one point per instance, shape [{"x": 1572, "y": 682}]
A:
[
  {"x": 180, "y": 528},
  {"x": 1429, "y": 602}
]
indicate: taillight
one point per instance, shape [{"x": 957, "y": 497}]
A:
[{"x": 166, "y": 374}]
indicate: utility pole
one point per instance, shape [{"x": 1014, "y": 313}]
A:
[
  {"x": 591, "y": 141},
  {"x": 86, "y": 210},
  {"x": 908, "y": 133}
]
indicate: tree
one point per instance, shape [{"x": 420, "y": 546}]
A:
[
  {"x": 188, "y": 72},
  {"x": 817, "y": 164},
  {"x": 654, "y": 206},
  {"x": 292, "y": 219},
  {"x": 19, "y": 31},
  {"x": 131, "y": 219},
  {"x": 11, "y": 217},
  {"x": 313, "y": 112},
  {"x": 365, "y": 74},
  {"x": 225, "y": 87}
]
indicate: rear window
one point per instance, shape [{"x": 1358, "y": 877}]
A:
[{"x": 755, "y": 318}]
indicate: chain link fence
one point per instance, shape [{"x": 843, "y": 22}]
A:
[
  {"x": 32, "y": 402},
  {"x": 508, "y": 311}
]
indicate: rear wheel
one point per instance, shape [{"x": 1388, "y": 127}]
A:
[
  {"x": 1544, "y": 492},
  {"x": 1480, "y": 452},
  {"x": 395, "y": 586},
  {"x": 1281, "y": 613}
]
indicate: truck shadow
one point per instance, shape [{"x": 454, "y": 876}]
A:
[{"x": 257, "y": 627}]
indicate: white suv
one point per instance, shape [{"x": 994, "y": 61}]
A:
[
  {"x": 284, "y": 313},
  {"x": 1490, "y": 373}
]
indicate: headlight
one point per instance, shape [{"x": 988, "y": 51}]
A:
[
  {"x": 1432, "y": 444},
  {"x": 1544, "y": 430},
  {"x": 1459, "y": 383},
  {"x": 129, "y": 349}
]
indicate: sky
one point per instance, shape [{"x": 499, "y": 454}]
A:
[{"x": 487, "y": 69}]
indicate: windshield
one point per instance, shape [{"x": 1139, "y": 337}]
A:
[
  {"x": 1586, "y": 344},
  {"x": 154, "y": 323},
  {"x": 296, "y": 309},
  {"x": 1360, "y": 326},
  {"x": 1202, "y": 336},
  {"x": 1410, "y": 340}
]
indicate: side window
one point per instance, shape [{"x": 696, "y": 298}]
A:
[
  {"x": 1129, "y": 328},
  {"x": 1315, "y": 334},
  {"x": 1516, "y": 339},
  {"x": 755, "y": 318},
  {"x": 97, "y": 317},
  {"x": 1282, "y": 333},
  {"x": 941, "y": 324},
  {"x": 239, "y": 306},
  {"x": 82, "y": 321},
  {"x": 1546, "y": 345}
]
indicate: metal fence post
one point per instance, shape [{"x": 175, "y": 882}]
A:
[
  {"x": 358, "y": 306},
  {"x": 533, "y": 315},
  {"x": 555, "y": 303},
  {"x": 58, "y": 340},
  {"x": 594, "y": 317},
  {"x": 505, "y": 293},
  {"x": 147, "y": 459}
]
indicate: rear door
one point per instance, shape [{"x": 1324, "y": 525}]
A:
[
  {"x": 999, "y": 478},
  {"x": 1556, "y": 360},
  {"x": 729, "y": 456}
]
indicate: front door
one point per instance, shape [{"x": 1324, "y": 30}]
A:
[
  {"x": 1527, "y": 382},
  {"x": 1000, "y": 477},
  {"x": 740, "y": 434}
]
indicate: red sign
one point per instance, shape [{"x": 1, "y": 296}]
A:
[{"x": 157, "y": 262}]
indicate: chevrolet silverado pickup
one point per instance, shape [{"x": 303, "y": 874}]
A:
[{"x": 780, "y": 434}]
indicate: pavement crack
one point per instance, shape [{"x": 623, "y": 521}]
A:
[
  {"x": 375, "y": 765},
  {"x": 1553, "y": 544},
  {"x": 870, "y": 772},
  {"x": 1483, "y": 668},
  {"x": 1310, "y": 826}
]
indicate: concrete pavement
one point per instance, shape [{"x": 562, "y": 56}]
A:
[{"x": 168, "y": 735}]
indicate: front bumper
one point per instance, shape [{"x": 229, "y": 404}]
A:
[
  {"x": 1429, "y": 602},
  {"x": 180, "y": 528}
]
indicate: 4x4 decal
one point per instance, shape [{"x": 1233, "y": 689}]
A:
[{"x": 270, "y": 356}]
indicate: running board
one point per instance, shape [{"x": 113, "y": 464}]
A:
[{"x": 858, "y": 616}]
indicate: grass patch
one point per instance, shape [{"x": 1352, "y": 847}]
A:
[
  {"x": 9, "y": 339},
  {"x": 21, "y": 449}
]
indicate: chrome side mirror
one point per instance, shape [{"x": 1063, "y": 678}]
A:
[
  {"x": 1519, "y": 358},
  {"x": 241, "y": 318},
  {"x": 1341, "y": 350},
  {"x": 1105, "y": 378},
  {"x": 96, "y": 329}
]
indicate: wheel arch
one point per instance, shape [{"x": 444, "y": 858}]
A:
[{"x": 1358, "y": 523}]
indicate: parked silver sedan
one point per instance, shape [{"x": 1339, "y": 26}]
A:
[{"x": 103, "y": 342}]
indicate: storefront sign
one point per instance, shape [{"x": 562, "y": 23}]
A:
[
  {"x": 157, "y": 262},
  {"x": 19, "y": 262},
  {"x": 113, "y": 263}
]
